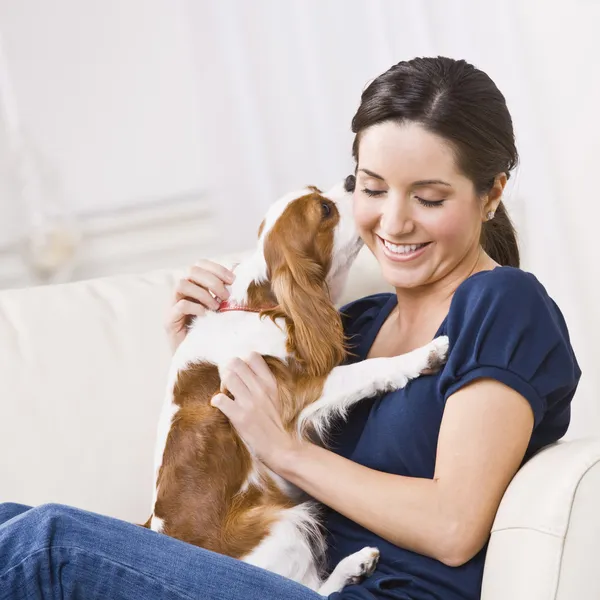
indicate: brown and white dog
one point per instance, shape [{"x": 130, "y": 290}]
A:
[{"x": 210, "y": 490}]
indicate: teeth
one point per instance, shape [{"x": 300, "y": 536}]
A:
[{"x": 402, "y": 248}]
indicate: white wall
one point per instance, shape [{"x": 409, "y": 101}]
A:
[
  {"x": 106, "y": 91},
  {"x": 562, "y": 57},
  {"x": 140, "y": 99}
]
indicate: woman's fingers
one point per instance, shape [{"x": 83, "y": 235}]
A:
[
  {"x": 211, "y": 280},
  {"x": 179, "y": 312},
  {"x": 240, "y": 378},
  {"x": 259, "y": 365},
  {"x": 187, "y": 289},
  {"x": 235, "y": 380},
  {"x": 225, "y": 404},
  {"x": 200, "y": 282},
  {"x": 220, "y": 271},
  {"x": 184, "y": 308}
]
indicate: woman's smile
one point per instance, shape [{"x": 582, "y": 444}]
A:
[{"x": 402, "y": 252}]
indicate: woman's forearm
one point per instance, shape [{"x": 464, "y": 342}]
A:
[{"x": 406, "y": 511}]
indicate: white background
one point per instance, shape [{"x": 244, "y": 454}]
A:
[{"x": 132, "y": 102}]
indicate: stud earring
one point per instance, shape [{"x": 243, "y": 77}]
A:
[{"x": 490, "y": 215}]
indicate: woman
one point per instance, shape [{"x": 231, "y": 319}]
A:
[{"x": 420, "y": 472}]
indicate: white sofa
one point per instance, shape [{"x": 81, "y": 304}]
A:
[{"x": 82, "y": 374}]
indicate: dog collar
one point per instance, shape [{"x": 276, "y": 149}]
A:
[{"x": 227, "y": 306}]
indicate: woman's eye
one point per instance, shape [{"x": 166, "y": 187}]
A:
[
  {"x": 326, "y": 209},
  {"x": 430, "y": 203},
  {"x": 372, "y": 193}
]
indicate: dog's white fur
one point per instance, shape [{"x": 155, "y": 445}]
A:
[{"x": 296, "y": 542}]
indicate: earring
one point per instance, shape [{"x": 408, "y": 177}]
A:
[{"x": 490, "y": 215}]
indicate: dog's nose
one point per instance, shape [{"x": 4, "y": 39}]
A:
[{"x": 350, "y": 183}]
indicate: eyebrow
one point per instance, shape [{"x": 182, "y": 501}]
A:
[{"x": 420, "y": 183}]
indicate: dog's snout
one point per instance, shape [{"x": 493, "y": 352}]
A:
[{"x": 350, "y": 183}]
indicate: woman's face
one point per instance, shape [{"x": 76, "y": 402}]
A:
[{"x": 416, "y": 212}]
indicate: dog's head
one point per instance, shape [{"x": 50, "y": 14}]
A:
[{"x": 309, "y": 241}]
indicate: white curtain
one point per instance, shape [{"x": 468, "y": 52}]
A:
[
  {"x": 280, "y": 82},
  {"x": 250, "y": 99}
]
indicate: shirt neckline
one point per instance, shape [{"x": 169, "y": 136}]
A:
[{"x": 390, "y": 304}]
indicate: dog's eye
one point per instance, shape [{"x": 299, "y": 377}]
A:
[{"x": 326, "y": 209}]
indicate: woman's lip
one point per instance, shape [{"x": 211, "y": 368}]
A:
[
  {"x": 402, "y": 257},
  {"x": 401, "y": 243}
]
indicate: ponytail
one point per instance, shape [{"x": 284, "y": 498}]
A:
[{"x": 499, "y": 239}]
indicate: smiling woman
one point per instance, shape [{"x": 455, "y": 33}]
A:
[{"x": 434, "y": 148}]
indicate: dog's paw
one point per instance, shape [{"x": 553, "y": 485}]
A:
[
  {"x": 363, "y": 563},
  {"x": 438, "y": 352},
  {"x": 352, "y": 569}
]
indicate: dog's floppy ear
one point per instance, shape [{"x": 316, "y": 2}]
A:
[{"x": 315, "y": 329}]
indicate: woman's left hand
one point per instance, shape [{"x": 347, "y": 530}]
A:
[{"x": 255, "y": 411}]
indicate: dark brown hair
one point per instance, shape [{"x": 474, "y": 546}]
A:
[{"x": 452, "y": 99}]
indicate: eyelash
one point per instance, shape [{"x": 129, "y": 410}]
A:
[{"x": 429, "y": 203}]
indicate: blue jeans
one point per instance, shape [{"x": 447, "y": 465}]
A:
[{"x": 55, "y": 551}]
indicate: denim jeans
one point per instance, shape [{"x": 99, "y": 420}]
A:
[{"x": 55, "y": 551}]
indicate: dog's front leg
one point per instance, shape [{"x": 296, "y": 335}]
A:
[{"x": 349, "y": 384}]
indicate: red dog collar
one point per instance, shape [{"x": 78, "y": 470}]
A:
[{"x": 227, "y": 306}]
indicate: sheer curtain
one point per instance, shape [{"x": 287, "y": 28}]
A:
[
  {"x": 280, "y": 81},
  {"x": 249, "y": 100}
]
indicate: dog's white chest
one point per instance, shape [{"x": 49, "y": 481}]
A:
[{"x": 217, "y": 338}]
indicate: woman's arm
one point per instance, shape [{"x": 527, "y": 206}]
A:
[
  {"x": 483, "y": 437},
  {"x": 484, "y": 434}
]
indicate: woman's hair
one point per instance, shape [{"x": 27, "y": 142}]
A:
[{"x": 456, "y": 101}]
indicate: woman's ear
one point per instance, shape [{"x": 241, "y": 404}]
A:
[
  {"x": 315, "y": 331},
  {"x": 494, "y": 196}
]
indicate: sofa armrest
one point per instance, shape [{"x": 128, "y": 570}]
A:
[{"x": 545, "y": 540}]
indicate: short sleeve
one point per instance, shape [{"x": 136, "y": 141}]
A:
[{"x": 503, "y": 325}]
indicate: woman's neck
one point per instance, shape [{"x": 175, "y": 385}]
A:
[{"x": 432, "y": 302}]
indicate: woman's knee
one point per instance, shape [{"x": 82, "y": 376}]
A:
[
  {"x": 53, "y": 509},
  {"x": 13, "y": 507},
  {"x": 51, "y": 520},
  {"x": 54, "y": 512},
  {"x": 32, "y": 531},
  {"x": 9, "y": 510}
]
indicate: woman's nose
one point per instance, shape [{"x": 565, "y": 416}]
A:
[{"x": 396, "y": 218}]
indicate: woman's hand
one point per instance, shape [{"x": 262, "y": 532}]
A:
[
  {"x": 255, "y": 411},
  {"x": 192, "y": 297}
]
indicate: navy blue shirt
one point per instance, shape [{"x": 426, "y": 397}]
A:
[{"x": 502, "y": 325}]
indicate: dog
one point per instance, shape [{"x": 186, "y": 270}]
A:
[{"x": 209, "y": 488}]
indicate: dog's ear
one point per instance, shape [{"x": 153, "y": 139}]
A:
[{"x": 315, "y": 331}]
